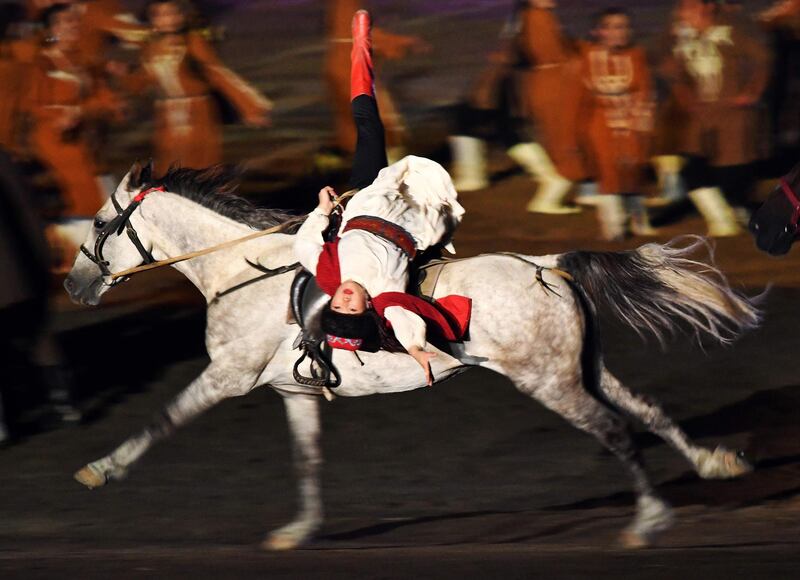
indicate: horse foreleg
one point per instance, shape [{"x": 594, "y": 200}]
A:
[
  {"x": 216, "y": 383},
  {"x": 719, "y": 463},
  {"x": 302, "y": 412}
]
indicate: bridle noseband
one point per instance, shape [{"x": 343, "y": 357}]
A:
[
  {"x": 792, "y": 197},
  {"x": 120, "y": 222}
]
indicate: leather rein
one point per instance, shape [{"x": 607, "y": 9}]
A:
[{"x": 122, "y": 221}]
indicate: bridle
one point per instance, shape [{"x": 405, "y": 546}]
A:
[
  {"x": 793, "y": 199},
  {"x": 120, "y": 222}
]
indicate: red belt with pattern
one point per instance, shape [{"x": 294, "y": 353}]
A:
[{"x": 386, "y": 230}]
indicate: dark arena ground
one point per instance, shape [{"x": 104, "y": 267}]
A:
[{"x": 468, "y": 479}]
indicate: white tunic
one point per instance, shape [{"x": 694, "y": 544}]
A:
[{"x": 415, "y": 193}]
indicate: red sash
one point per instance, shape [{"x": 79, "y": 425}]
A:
[{"x": 448, "y": 316}]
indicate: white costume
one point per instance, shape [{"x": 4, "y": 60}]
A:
[{"x": 416, "y": 194}]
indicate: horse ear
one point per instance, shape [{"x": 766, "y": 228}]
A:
[
  {"x": 147, "y": 172},
  {"x": 135, "y": 176}
]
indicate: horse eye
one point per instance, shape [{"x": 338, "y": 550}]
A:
[{"x": 99, "y": 224}]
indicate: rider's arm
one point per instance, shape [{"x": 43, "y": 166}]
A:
[
  {"x": 308, "y": 241},
  {"x": 408, "y": 327},
  {"x": 410, "y": 332}
]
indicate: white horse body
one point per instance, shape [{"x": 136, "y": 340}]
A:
[{"x": 531, "y": 334}]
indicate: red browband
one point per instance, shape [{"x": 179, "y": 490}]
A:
[{"x": 142, "y": 194}]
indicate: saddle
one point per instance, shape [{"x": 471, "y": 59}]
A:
[{"x": 308, "y": 302}]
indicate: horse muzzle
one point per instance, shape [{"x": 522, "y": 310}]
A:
[
  {"x": 770, "y": 239},
  {"x": 85, "y": 293}
]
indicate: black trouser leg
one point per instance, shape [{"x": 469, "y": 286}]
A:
[
  {"x": 370, "y": 156},
  {"x": 737, "y": 181},
  {"x": 696, "y": 173}
]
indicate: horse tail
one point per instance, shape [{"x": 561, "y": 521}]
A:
[
  {"x": 592, "y": 349},
  {"x": 648, "y": 288}
]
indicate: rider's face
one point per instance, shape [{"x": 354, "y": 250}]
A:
[
  {"x": 166, "y": 17},
  {"x": 350, "y": 298}
]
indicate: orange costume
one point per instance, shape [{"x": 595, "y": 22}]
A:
[
  {"x": 719, "y": 75},
  {"x": 101, "y": 19},
  {"x": 63, "y": 94},
  {"x": 15, "y": 59},
  {"x": 783, "y": 14},
  {"x": 618, "y": 113},
  {"x": 337, "y": 74},
  {"x": 185, "y": 73},
  {"x": 551, "y": 89}
]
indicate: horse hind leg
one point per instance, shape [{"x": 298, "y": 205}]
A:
[
  {"x": 579, "y": 408},
  {"x": 719, "y": 463}
]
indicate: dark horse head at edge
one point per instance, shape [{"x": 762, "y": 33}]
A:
[{"x": 774, "y": 225}]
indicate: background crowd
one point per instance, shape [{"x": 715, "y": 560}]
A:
[{"x": 698, "y": 115}]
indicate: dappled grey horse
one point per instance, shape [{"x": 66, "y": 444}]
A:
[{"x": 533, "y": 321}]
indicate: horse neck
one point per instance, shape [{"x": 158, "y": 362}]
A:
[{"x": 177, "y": 226}]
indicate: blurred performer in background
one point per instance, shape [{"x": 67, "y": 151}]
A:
[
  {"x": 532, "y": 79},
  {"x": 339, "y": 14},
  {"x": 64, "y": 94},
  {"x": 13, "y": 53},
  {"x": 186, "y": 73},
  {"x": 618, "y": 111},
  {"x": 490, "y": 113},
  {"x": 551, "y": 93},
  {"x": 670, "y": 121},
  {"x": 29, "y": 352},
  {"x": 101, "y": 20},
  {"x": 720, "y": 72},
  {"x": 782, "y": 21}
]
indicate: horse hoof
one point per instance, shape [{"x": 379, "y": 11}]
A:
[
  {"x": 653, "y": 516},
  {"x": 280, "y": 543},
  {"x": 632, "y": 541},
  {"x": 90, "y": 477},
  {"x": 722, "y": 464},
  {"x": 290, "y": 536}
]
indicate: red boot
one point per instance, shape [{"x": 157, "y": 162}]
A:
[{"x": 362, "y": 78}]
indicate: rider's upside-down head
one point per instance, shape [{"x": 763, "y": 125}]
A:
[
  {"x": 352, "y": 331},
  {"x": 350, "y": 322}
]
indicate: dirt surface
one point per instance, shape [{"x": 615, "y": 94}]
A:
[{"x": 467, "y": 479}]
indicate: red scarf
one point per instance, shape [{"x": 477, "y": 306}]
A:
[{"x": 449, "y": 315}]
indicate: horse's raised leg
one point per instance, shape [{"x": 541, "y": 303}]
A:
[
  {"x": 719, "y": 463},
  {"x": 302, "y": 412},
  {"x": 217, "y": 382},
  {"x": 570, "y": 400}
]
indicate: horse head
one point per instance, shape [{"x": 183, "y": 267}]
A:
[
  {"x": 106, "y": 250},
  {"x": 774, "y": 225}
]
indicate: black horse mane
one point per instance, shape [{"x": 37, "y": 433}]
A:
[{"x": 214, "y": 188}]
